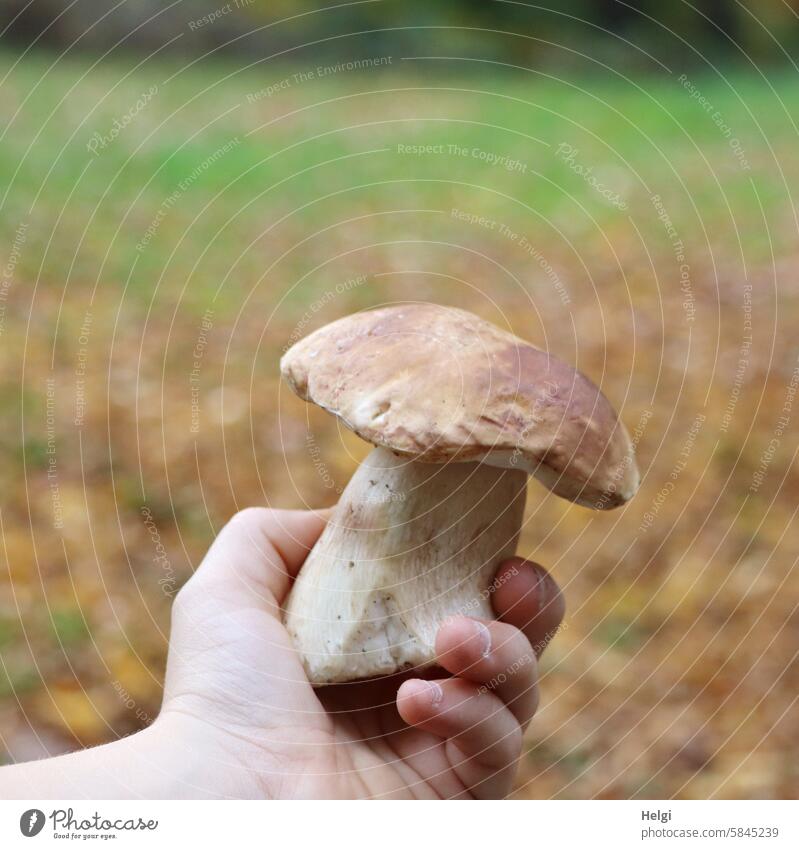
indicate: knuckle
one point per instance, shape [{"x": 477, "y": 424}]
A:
[
  {"x": 514, "y": 743},
  {"x": 514, "y": 740},
  {"x": 513, "y": 647},
  {"x": 251, "y": 523},
  {"x": 248, "y": 518},
  {"x": 192, "y": 601},
  {"x": 183, "y": 600}
]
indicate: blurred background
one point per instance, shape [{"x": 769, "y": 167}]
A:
[{"x": 187, "y": 188}]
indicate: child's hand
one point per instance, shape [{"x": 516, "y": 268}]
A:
[
  {"x": 236, "y": 690},
  {"x": 240, "y": 719}
]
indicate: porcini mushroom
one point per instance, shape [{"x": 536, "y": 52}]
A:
[{"x": 460, "y": 413}]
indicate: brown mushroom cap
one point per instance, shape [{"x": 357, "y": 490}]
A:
[{"x": 440, "y": 384}]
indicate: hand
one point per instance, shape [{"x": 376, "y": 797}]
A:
[
  {"x": 240, "y": 719},
  {"x": 243, "y": 720}
]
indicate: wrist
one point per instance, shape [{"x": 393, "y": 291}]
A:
[
  {"x": 177, "y": 757},
  {"x": 180, "y": 757}
]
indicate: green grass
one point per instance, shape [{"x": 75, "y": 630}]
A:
[{"x": 641, "y": 137}]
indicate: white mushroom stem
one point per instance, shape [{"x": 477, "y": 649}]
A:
[{"x": 409, "y": 545}]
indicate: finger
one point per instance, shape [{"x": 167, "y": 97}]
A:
[
  {"x": 485, "y": 738},
  {"x": 254, "y": 556},
  {"x": 293, "y": 533},
  {"x": 527, "y": 596},
  {"x": 493, "y": 654}
]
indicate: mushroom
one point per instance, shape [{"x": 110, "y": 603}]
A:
[{"x": 460, "y": 413}]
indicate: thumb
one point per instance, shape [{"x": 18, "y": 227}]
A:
[
  {"x": 230, "y": 658},
  {"x": 255, "y": 556}
]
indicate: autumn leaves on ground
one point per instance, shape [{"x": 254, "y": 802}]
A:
[{"x": 168, "y": 231}]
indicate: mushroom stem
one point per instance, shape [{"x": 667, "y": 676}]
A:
[{"x": 408, "y": 545}]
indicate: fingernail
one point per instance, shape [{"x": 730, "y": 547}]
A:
[
  {"x": 484, "y": 635},
  {"x": 436, "y": 693}
]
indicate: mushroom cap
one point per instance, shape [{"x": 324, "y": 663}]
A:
[{"x": 439, "y": 384}]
